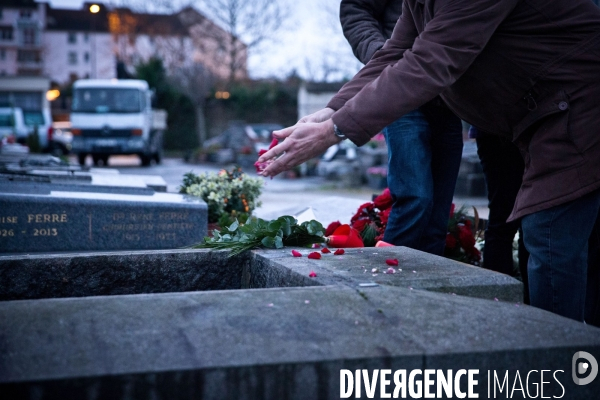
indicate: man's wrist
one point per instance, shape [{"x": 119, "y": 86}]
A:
[{"x": 338, "y": 132}]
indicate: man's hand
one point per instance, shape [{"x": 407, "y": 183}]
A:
[
  {"x": 303, "y": 141},
  {"x": 319, "y": 116}
]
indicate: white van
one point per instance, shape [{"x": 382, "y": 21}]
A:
[{"x": 12, "y": 123}]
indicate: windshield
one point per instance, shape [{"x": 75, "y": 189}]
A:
[
  {"x": 96, "y": 100},
  {"x": 6, "y": 120},
  {"x": 33, "y": 118}
]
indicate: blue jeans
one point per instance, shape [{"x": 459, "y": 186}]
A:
[
  {"x": 503, "y": 167},
  {"x": 563, "y": 242},
  {"x": 424, "y": 156}
]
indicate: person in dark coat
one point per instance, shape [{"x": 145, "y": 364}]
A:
[
  {"x": 526, "y": 70},
  {"x": 424, "y": 146}
]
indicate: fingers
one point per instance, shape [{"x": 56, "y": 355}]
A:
[
  {"x": 275, "y": 152},
  {"x": 283, "y": 133}
]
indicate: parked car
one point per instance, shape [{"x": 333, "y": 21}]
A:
[
  {"x": 242, "y": 139},
  {"x": 12, "y": 123},
  {"x": 61, "y": 138}
]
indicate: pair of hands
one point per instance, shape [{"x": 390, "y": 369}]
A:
[{"x": 311, "y": 136}]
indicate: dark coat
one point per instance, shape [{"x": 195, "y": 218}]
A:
[
  {"x": 528, "y": 70},
  {"x": 367, "y": 24}
]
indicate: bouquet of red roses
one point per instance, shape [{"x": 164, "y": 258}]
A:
[
  {"x": 370, "y": 219},
  {"x": 460, "y": 239}
]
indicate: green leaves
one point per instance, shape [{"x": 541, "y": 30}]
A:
[{"x": 272, "y": 234}]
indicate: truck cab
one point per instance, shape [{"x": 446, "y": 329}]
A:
[{"x": 115, "y": 117}]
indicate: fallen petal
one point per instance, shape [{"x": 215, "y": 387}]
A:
[
  {"x": 392, "y": 262},
  {"x": 296, "y": 253},
  {"x": 312, "y": 274},
  {"x": 339, "y": 252},
  {"x": 390, "y": 271},
  {"x": 314, "y": 256},
  {"x": 325, "y": 250},
  {"x": 316, "y": 246},
  {"x": 375, "y": 270}
]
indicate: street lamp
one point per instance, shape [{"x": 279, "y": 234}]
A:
[{"x": 94, "y": 8}]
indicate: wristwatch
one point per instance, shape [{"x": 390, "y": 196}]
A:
[{"x": 338, "y": 133}]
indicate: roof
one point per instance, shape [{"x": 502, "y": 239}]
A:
[
  {"x": 19, "y": 3},
  {"x": 107, "y": 83},
  {"x": 59, "y": 19},
  {"x": 124, "y": 20}
]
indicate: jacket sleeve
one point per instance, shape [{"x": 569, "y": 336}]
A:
[
  {"x": 361, "y": 26},
  {"x": 412, "y": 69}
]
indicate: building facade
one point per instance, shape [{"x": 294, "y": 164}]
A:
[
  {"x": 66, "y": 44},
  {"x": 21, "y": 30},
  {"x": 77, "y": 45}
]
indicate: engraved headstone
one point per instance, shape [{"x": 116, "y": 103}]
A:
[{"x": 41, "y": 219}]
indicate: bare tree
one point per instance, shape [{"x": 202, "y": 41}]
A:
[
  {"x": 196, "y": 82},
  {"x": 337, "y": 62},
  {"x": 248, "y": 24}
]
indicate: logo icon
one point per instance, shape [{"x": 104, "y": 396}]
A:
[{"x": 590, "y": 365}]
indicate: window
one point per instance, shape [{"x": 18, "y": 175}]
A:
[
  {"x": 25, "y": 13},
  {"x": 6, "y": 32},
  {"x": 72, "y": 38},
  {"x": 86, "y": 57},
  {"x": 29, "y": 36},
  {"x": 29, "y": 56},
  {"x": 2, "y": 54},
  {"x": 33, "y": 118},
  {"x": 72, "y": 58},
  {"x": 96, "y": 100},
  {"x": 6, "y": 120}
]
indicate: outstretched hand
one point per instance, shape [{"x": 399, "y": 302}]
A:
[{"x": 303, "y": 141}]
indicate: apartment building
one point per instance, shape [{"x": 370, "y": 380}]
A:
[
  {"x": 68, "y": 44},
  {"x": 21, "y": 30}
]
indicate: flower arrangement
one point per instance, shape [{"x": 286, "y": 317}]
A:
[
  {"x": 370, "y": 220},
  {"x": 230, "y": 195},
  {"x": 256, "y": 232},
  {"x": 460, "y": 239}
]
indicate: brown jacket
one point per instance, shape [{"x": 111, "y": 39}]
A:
[{"x": 528, "y": 70}]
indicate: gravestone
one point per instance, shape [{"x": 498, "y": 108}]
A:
[
  {"x": 42, "y": 219},
  {"x": 276, "y": 342}
]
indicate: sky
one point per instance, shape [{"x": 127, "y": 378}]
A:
[{"x": 312, "y": 43}]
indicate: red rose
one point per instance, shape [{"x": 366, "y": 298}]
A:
[
  {"x": 360, "y": 224},
  {"x": 450, "y": 241},
  {"x": 384, "y": 216},
  {"x": 466, "y": 238},
  {"x": 363, "y": 211},
  {"x": 332, "y": 227},
  {"x": 384, "y": 200},
  {"x": 261, "y": 152},
  {"x": 273, "y": 143}
]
